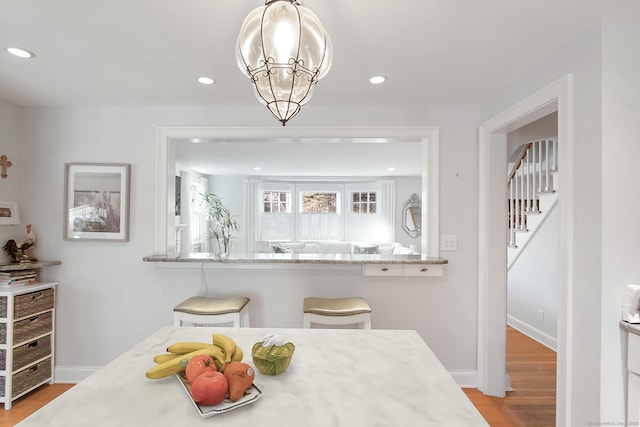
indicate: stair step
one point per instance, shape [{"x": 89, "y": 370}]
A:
[
  {"x": 533, "y": 212},
  {"x": 521, "y": 230},
  {"x": 546, "y": 192},
  {"x": 512, "y": 246}
]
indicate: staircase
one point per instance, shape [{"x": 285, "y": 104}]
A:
[{"x": 531, "y": 192}]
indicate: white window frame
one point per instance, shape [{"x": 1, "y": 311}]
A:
[
  {"x": 279, "y": 187},
  {"x": 168, "y": 136}
]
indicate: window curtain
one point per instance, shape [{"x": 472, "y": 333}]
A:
[
  {"x": 186, "y": 242},
  {"x": 386, "y": 206},
  {"x": 253, "y": 192},
  {"x": 201, "y": 186}
]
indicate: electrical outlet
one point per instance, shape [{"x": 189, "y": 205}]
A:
[
  {"x": 448, "y": 242},
  {"x": 541, "y": 316}
]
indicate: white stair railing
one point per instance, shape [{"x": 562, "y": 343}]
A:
[{"x": 531, "y": 176}]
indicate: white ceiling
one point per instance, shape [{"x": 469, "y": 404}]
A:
[
  {"x": 141, "y": 52},
  {"x": 303, "y": 158}
]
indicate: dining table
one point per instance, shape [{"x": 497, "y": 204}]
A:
[{"x": 336, "y": 377}]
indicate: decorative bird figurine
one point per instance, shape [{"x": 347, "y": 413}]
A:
[
  {"x": 11, "y": 248},
  {"x": 30, "y": 240},
  {"x": 19, "y": 251}
]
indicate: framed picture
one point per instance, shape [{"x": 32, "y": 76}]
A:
[
  {"x": 9, "y": 213},
  {"x": 96, "y": 201}
]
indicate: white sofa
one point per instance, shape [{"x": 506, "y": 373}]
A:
[{"x": 334, "y": 247}]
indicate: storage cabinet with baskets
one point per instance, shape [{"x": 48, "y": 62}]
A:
[{"x": 27, "y": 320}]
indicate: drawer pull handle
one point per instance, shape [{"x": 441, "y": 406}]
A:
[
  {"x": 34, "y": 318},
  {"x": 384, "y": 269},
  {"x": 32, "y": 344},
  {"x": 422, "y": 270},
  {"x": 38, "y": 295},
  {"x": 33, "y": 368}
]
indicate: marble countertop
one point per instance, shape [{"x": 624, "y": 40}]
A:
[
  {"x": 273, "y": 258},
  {"x": 337, "y": 377}
]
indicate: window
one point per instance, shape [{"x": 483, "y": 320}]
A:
[
  {"x": 363, "y": 202},
  {"x": 277, "y": 220},
  {"x": 198, "y": 216},
  {"x": 323, "y": 203},
  {"x": 276, "y": 201}
]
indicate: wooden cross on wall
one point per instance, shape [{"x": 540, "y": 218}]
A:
[{"x": 5, "y": 163}]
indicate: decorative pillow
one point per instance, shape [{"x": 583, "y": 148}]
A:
[
  {"x": 295, "y": 247},
  {"x": 365, "y": 249},
  {"x": 334, "y": 247},
  {"x": 386, "y": 250},
  {"x": 401, "y": 250},
  {"x": 277, "y": 249}
]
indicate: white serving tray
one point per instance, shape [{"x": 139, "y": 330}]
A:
[{"x": 251, "y": 395}]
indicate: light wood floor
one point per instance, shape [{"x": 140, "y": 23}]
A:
[{"x": 532, "y": 403}]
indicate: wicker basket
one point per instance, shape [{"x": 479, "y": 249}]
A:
[
  {"x": 31, "y": 351},
  {"x": 31, "y": 376},
  {"x": 27, "y": 329},
  {"x": 33, "y": 302},
  {"x": 3, "y": 333},
  {"x": 3, "y": 306}
]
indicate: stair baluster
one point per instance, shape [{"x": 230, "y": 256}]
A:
[{"x": 530, "y": 176}]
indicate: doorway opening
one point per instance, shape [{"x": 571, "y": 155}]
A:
[{"x": 492, "y": 214}]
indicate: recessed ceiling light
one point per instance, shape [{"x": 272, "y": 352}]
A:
[
  {"x": 22, "y": 53},
  {"x": 376, "y": 80},
  {"x": 257, "y": 168},
  {"x": 391, "y": 169},
  {"x": 206, "y": 80}
]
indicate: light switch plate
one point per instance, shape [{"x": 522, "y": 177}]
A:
[{"x": 448, "y": 242}]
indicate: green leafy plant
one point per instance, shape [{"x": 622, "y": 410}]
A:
[{"x": 221, "y": 222}]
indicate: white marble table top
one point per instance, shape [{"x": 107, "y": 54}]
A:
[{"x": 337, "y": 377}]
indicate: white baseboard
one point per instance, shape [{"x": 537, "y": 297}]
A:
[
  {"x": 465, "y": 379},
  {"x": 72, "y": 374},
  {"x": 533, "y": 333}
]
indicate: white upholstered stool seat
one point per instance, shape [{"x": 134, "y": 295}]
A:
[
  {"x": 212, "y": 311},
  {"x": 337, "y": 311}
]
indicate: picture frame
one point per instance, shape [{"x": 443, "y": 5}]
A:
[
  {"x": 96, "y": 201},
  {"x": 9, "y": 213}
]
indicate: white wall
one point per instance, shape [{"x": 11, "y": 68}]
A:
[
  {"x": 533, "y": 285},
  {"x": 10, "y": 187},
  {"x": 582, "y": 58},
  {"x": 620, "y": 201},
  {"x": 543, "y": 128},
  {"x": 109, "y": 299}
]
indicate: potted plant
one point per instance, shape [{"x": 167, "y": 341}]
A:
[{"x": 221, "y": 224}]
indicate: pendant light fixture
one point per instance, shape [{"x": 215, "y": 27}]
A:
[{"x": 285, "y": 50}]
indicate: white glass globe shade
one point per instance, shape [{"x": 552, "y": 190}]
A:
[{"x": 284, "y": 50}]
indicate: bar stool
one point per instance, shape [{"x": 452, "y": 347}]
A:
[
  {"x": 337, "y": 311},
  {"x": 204, "y": 311}
]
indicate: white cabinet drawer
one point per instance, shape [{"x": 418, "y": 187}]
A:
[
  {"x": 422, "y": 270},
  {"x": 382, "y": 270},
  {"x": 633, "y": 353},
  {"x": 399, "y": 270}
]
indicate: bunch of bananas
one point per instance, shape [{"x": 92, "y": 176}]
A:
[{"x": 222, "y": 349}]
